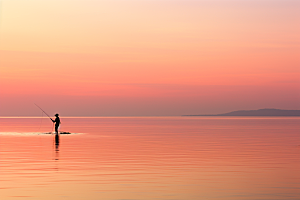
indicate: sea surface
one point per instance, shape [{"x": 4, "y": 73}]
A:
[{"x": 151, "y": 158}]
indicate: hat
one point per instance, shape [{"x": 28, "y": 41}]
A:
[{"x": 56, "y": 114}]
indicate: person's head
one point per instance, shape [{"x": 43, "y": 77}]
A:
[{"x": 56, "y": 115}]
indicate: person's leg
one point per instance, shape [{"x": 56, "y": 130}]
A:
[{"x": 56, "y": 129}]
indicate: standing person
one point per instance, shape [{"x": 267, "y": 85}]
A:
[{"x": 57, "y": 123}]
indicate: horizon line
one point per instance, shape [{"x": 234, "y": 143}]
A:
[{"x": 183, "y": 116}]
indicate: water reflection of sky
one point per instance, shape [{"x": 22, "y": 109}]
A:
[{"x": 152, "y": 158}]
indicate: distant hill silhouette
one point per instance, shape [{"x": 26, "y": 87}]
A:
[{"x": 260, "y": 112}]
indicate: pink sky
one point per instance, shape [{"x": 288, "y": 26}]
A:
[{"x": 125, "y": 58}]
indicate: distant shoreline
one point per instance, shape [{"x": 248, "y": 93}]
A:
[
  {"x": 257, "y": 113},
  {"x": 239, "y": 113}
]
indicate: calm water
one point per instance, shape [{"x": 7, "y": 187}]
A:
[{"x": 176, "y": 158}]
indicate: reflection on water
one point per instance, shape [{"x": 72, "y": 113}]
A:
[
  {"x": 56, "y": 146},
  {"x": 181, "y": 158}
]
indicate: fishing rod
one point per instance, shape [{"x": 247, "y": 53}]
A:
[{"x": 44, "y": 112}]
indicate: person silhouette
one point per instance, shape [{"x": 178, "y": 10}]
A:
[{"x": 57, "y": 122}]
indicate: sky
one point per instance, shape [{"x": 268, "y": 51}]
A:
[{"x": 148, "y": 57}]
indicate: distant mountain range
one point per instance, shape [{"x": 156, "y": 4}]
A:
[{"x": 260, "y": 112}]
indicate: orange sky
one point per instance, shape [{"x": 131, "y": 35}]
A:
[{"x": 107, "y": 58}]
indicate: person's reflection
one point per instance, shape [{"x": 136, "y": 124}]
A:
[{"x": 56, "y": 146}]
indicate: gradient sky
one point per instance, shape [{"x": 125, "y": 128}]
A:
[{"x": 148, "y": 57}]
